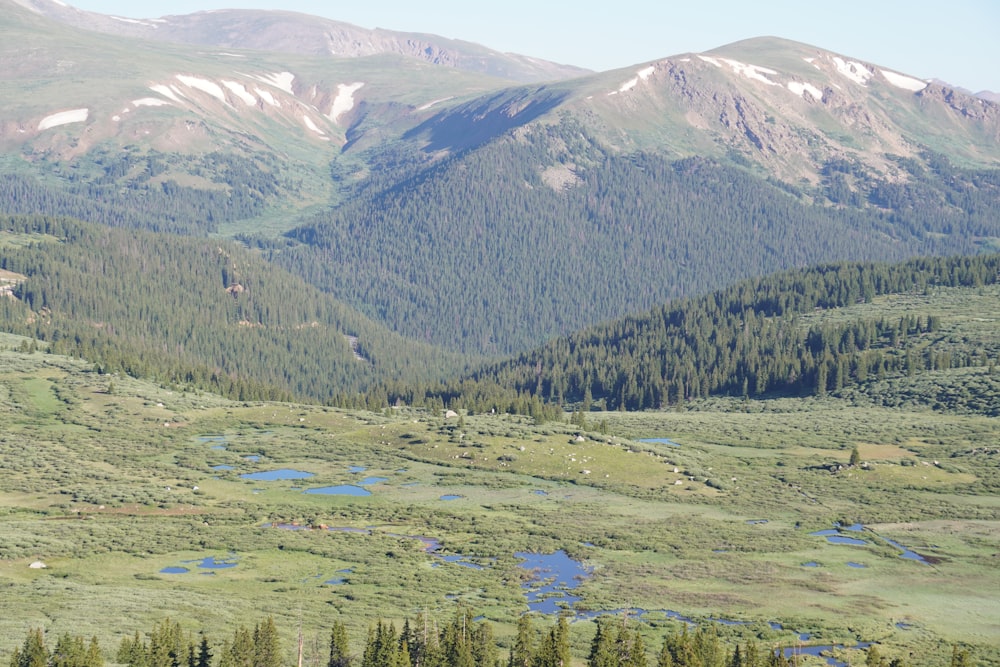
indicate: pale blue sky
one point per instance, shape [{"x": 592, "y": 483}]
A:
[{"x": 957, "y": 40}]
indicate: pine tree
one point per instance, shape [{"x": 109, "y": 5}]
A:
[
  {"x": 522, "y": 654},
  {"x": 339, "y": 651}
]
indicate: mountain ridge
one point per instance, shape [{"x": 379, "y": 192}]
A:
[{"x": 290, "y": 32}]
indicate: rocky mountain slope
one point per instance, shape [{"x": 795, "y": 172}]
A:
[
  {"x": 439, "y": 200},
  {"x": 302, "y": 34}
]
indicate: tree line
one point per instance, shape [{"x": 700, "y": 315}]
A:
[
  {"x": 745, "y": 340},
  {"x": 464, "y": 641}
]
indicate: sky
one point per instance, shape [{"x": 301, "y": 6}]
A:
[{"x": 957, "y": 41}]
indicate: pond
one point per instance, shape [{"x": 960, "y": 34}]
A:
[
  {"x": 835, "y": 536},
  {"x": 554, "y": 575},
  {"x": 356, "y": 469},
  {"x": 368, "y": 481},
  {"x": 823, "y": 651},
  {"x": 340, "y": 490},
  {"x": 841, "y": 539},
  {"x": 450, "y": 496},
  {"x": 907, "y": 553},
  {"x": 660, "y": 441},
  {"x": 856, "y": 565},
  {"x": 275, "y": 475},
  {"x": 210, "y": 563},
  {"x": 222, "y": 467},
  {"x": 174, "y": 570},
  {"x": 811, "y": 563}
]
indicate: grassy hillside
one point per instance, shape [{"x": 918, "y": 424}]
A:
[{"x": 109, "y": 480}]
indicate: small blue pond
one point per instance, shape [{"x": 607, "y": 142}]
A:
[
  {"x": 356, "y": 469},
  {"x": 776, "y": 626},
  {"x": 174, "y": 570},
  {"x": 907, "y": 553},
  {"x": 811, "y": 563},
  {"x": 834, "y": 535},
  {"x": 904, "y": 626},
  {"x": 555, "y": 575},
  {"x": 818, "y": 651},
  {"x": 222, "y": 467},
  {"x": 661, "y": 441},
  {"x": 368, "y": 481},
  {"x": 539, "y": 492},
  {"x": 211, "y": 438},
  {"x": 210, "y": 563},
  {"x": 275, "y": 475},
  {"x": 450, "y": 496},
  {"x": 218, "y": 448},
  {"x": 340, "y": 490},
  {"x": 856, "y": 565}
]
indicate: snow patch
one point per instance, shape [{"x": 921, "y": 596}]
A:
[
  {"x": 628, "y": 85},
  {"x": 308, "y": 122},
  {"x": 754, "y": 72},
  {"x": 267, "y": 97},
  {"x": 148, "y": 102},
  {"x": 427, "y": 106},
  {"x": 853, "y": 70},
  {"x": 240, "y": 91},
  {"x": 135, "y": 21},
  {"x": 903, "y": 81},
  {"x": 204, "y": 85},
  {"x": 116, "y": 118},
  {"x": 344, "y": 101},
  {"x": 801, "y": 89},
  {"x": 710, "y": 60},
  {"x": 63, "y": 118},
  {"x": 280, "y": 80},
  {"x": 641, "y": 75},
  {"x": 165, "y": 91}
]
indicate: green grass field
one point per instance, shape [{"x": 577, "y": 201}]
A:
[{"x": 109, "y": 480}]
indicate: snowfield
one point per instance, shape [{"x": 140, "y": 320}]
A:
[
  {"x": 344, "y": 101},
  {"x": 903, "y": 81},
  {"x": 149, "y": 102},
  {"x": 240, "y": 91},
  {"x": 801, "y": 89},
  {"x": 204, "y": 85},
  {"x": 853, "y": 70},
  {"x": 63, "y": 118}
]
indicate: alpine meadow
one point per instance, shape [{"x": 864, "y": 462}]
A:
[{"x": 335, "y": 347}]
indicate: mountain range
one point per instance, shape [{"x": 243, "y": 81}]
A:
[{"x": 477, "y": 201}]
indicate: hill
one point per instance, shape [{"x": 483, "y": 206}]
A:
[
  {"x": 196, "y": 313},
  {"x": 302, "y": 34},
  {"x": 836, "y": 328}
]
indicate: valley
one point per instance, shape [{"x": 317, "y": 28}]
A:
[
  {"x": 122, "y": 487},
  {"x": 315, "y": 336}
]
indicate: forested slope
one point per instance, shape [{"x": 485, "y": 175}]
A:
[
  {"x": 542, "y": 232},
  {"x": 756, "y": 338},
  {"x": 196, "y": 312}
]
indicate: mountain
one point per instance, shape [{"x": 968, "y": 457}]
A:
[
  {"x": 302, "y": 34},
  {"x": 484, "y": 216},
  {"x": 195, "y": 313}
]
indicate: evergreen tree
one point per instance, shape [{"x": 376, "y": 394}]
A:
[{"x": 339, "y": 651}]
